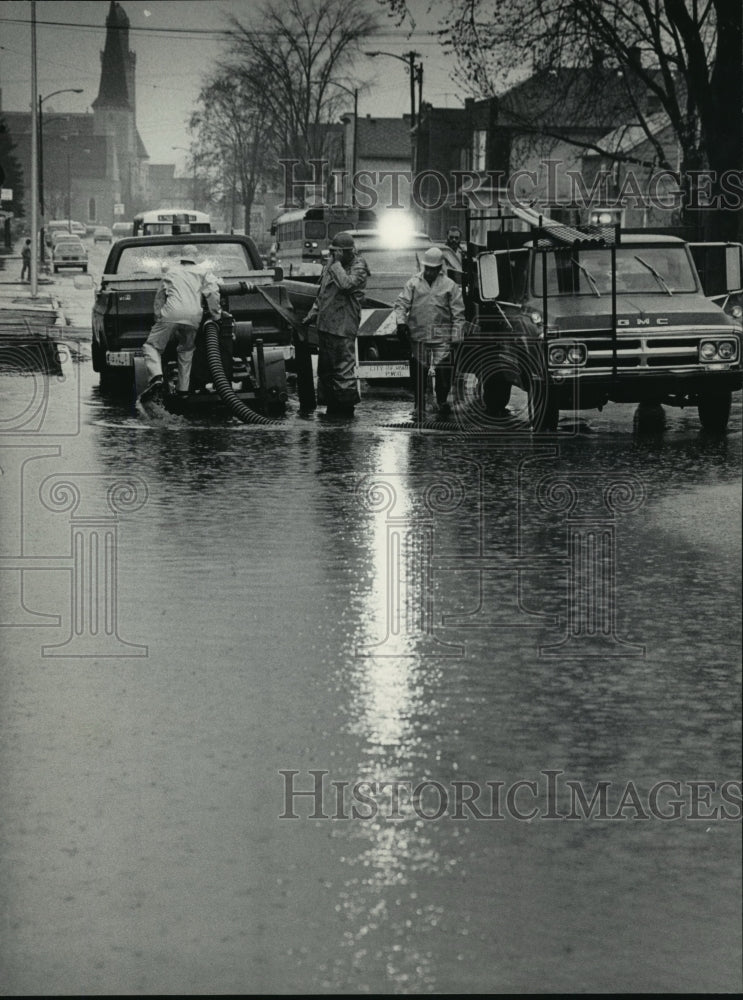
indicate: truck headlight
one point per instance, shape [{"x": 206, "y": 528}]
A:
[
  {"x": 707, "y": 351},
  {"x": 726, "y": 350},
  {"x": 557, "y": 355},
  {"x": 577, "y": 354},
  {"x": 567, "y": 354}
]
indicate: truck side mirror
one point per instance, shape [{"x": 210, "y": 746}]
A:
[
  {"x": 733, "y": 267},
  {"x": 487, "y": 276}
]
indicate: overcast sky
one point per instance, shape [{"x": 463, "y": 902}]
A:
[{"x": 170, "y": 66}]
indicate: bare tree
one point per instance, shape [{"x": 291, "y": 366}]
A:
[
  {"x": 229, "y": 129},
  {"x": 689, "y": 61},
  {"x": 299, "y": 50}
]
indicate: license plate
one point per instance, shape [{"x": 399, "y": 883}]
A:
[
  {"x": 383, "y": 369},
  {"x": 122, "y": 358}
]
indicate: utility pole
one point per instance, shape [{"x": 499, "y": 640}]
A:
[
  {"x": 416, "y": 72},
  {"x": 411, "y": 62},
  {"x": 34, "y": 162}
]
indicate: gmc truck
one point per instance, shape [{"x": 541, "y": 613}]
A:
[{"x": 577, "y": 319}]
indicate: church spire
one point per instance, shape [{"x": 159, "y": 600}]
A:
[{"x": 117, "y": 78}]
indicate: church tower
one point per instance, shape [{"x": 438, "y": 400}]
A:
[{"x": 114, "y": 109}]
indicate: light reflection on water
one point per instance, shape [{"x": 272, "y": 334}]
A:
[{"x": 257, "y": 576}]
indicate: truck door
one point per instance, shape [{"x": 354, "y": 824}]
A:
[{"x": 720, "y": 269}]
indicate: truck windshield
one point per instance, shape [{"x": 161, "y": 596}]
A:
[
  {"x": 393, "y": 260},
  {"x": 224, "y": 259},
  {"x": 640, "y": 270}
]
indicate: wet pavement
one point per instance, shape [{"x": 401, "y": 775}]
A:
[{"x": 447, "y": 638}]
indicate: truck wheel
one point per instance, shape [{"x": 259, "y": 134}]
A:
[
  {"x": 543, "y": 409},
  {"x": 495, "y": 393},
  {"x": 98, "y": 356},
  {"x": 714, "y": 409},
  {"x": 141, "y": 377},
  {"x": 116, "y": 381}
]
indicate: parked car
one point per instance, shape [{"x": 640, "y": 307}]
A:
[
  {"x": 121, "y": 229},
  {"x": 68, "y": 226},
  {"x": 102, "y": 234},
  {"x": 61, "y": 234},
  {"x": 56, "y": 226},
  {"x": 69, "y": 253}
]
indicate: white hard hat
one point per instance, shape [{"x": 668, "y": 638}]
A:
[
  {"x": 433, "y": 257},
  {"x": 189, "y": 254}
]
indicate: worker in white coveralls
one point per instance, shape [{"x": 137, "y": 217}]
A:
[
  {"x": 178, "y": 313},
  {"x": 430, "y": 315}
]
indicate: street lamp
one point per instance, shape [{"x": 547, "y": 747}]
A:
[
  {"x": 68, "y": 154},
  {"x": 416, "y": 73},
  {"x": 355, "y": 94},
  {"x": 193, "y": 172},
  {"x": 66, "y": 90}
]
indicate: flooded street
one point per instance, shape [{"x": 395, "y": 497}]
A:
[{"x": 306, "y": 708}]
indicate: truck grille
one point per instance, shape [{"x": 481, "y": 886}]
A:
[
  {"x": 600, "y": 354},
  {"x": 649, "y": 351}
]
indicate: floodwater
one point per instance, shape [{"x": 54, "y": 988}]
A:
[{"x": 399, "y": 621}]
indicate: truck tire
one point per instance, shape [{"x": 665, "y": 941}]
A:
[
  {"x": 495, "y": 393},
  {"x": 118, "y": 381},
  {"x": 97, "y": 355},
  {"x": 543, "y": 409},
  {"x": 140, "y": 378},
  {"x": 714, "y": 409}
]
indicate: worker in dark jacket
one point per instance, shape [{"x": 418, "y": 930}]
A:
[{"x": 337, "y": 313}]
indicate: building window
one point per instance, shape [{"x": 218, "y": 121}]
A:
[
  {"x": 479, "y": 144},
  {"x": 91, "y": 210}
]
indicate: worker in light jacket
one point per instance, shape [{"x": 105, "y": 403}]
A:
[
  {"x": 178, "y": 313},
  {"x": 337, "y": 313},
  {"x": 430, "y": 315}
]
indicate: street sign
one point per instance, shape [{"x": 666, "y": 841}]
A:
[
  {"x": 118, "y": 209},
  {"x": 6, "y": 194}
]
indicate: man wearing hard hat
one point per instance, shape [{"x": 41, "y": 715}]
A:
[
  {"x": 430, "y": 315},
  {"x": 337, "y": 312},
  {"x": 178, "y": 312}
]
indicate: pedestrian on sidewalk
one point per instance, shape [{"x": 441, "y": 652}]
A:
[
  {"x": 26, "y": 258},
  {"x": 430, "y": 315},
  {"x": 337, "y": 312}
]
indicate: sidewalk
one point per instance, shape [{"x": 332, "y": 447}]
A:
[{"x": 20, "y": 312}]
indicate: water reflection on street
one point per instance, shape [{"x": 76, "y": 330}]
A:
[{"x": 390, "y": 608}]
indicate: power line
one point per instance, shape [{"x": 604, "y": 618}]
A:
[{"x": 198, "y": 32}]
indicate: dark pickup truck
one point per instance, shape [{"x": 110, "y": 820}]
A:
[
  {"x": 123, "y": 312},
  {"x": 577, "y": 321}
]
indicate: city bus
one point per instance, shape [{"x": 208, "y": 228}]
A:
[
  {"x": 302, "y": 234},
  {"x": 171, "y": 222}
]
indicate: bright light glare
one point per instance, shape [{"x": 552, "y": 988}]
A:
[{"x": 396, "y": 229}]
